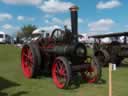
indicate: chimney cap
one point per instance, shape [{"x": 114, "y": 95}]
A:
[{"x": 74, "y": 8}]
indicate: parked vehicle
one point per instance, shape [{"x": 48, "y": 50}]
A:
[
  {"x": 111, "y": 47},
  {"x": 5, "y": 38},
  {"x": 60, "y": 54}
]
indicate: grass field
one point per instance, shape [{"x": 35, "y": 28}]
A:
[{"x": 13, "y": 83}]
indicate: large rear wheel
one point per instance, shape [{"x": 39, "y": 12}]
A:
[
  {"x": 30, "y": 61},
  {"x": 61, "y": 72}
]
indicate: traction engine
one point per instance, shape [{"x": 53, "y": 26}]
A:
[{"x": 60, "y": 54}]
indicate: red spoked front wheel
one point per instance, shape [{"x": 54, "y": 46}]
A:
[
  {"x": 61, "y": 72},
  {"x": 93, "y": 73}
]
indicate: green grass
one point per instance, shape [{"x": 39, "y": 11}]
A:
[{"x": 13, "y": 83}]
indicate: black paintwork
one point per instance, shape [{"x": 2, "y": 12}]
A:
[{"x": 113, "y": 52}]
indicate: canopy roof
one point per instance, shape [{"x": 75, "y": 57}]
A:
[
  {"x": 110, "y": 35},
  {"x": 38, "y": 31}
]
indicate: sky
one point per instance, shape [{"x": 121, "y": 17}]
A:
[{"x": 94, "y": 16}]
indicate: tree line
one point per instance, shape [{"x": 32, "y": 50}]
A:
[{"x": 26, "y": 31}]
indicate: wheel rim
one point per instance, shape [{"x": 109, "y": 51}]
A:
[
  {"x": 59, "y": 74},
  {"x": 27, "y": 61},
  {"x": 90, "y": 75}
]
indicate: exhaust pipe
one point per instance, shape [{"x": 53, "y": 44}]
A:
[{"x": 74, "y": 23}]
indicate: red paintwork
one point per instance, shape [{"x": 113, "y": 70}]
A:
[
  {"x": 61, "y": 72},
  {"x": 90, "y": 70},
  {"x": 47, "y": 45},
  {"x": 27, "y": 61}
]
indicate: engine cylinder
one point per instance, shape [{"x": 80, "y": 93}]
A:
[{"x": 76, "y": 50}]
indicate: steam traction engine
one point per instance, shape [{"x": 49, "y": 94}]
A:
[
  {"x": 61, "y": 55},
  {"x": 113, "y": 51}
]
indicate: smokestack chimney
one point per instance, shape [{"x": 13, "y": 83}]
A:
[{"x": 74, "y": 22}]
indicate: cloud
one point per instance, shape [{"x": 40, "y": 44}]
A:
[
  {"x": 50, "y": 28},
  {"x": 109, "y": 4},
  {"x": 67, "y": 21},
  {"x": 57, "y": 20},
  {"x": 46, "y": 16},
  {"x": 23, "y": 18},
  {"x": 23, "y": 2},
  {"x": 80, "y": 20},
  {"x": 60, "y": 22},
  {"x": 20, "y": 18},
  {"x": 46, "y": 21},
  {"x": 9, "y": 27},
  {"x": 5, "y": 16},
  {"x": 31, "y": 18},
  {"x": 55, "y": 6},
  {"x": 101, "y": 25}
]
